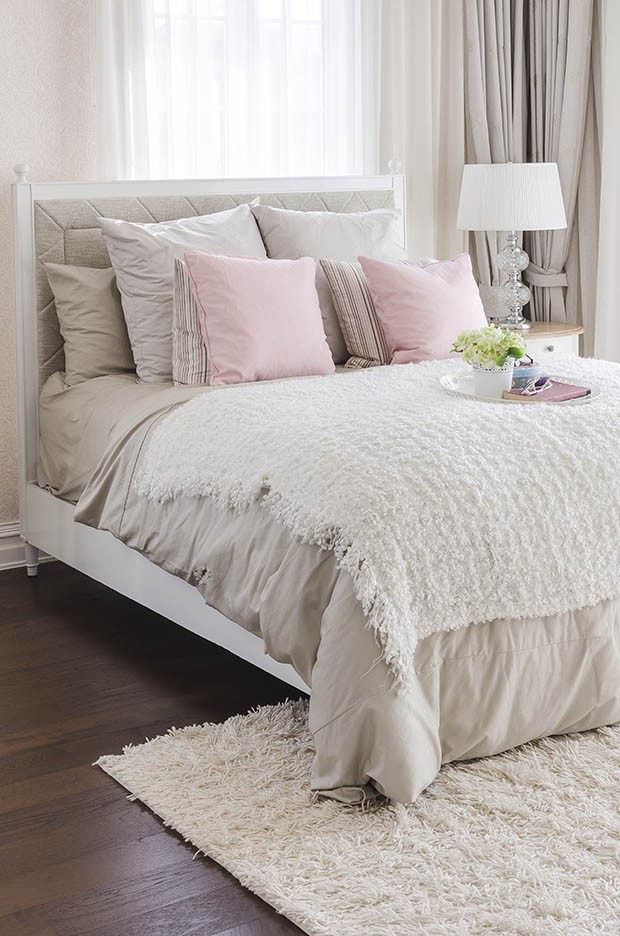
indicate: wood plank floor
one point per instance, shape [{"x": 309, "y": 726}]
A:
[{"x": 84, "y": 671}]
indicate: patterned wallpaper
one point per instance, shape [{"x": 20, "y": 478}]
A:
[{"x": 47, "y": 120}]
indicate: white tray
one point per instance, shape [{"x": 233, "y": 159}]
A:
[{"x": 463, "y": 385}]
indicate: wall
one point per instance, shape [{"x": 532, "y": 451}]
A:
[{"x": 46, "y": 120}]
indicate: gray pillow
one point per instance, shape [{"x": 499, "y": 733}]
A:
[
  {"x": 143, "y": 257},
  {"x": 88, "y": 306},
  {"x": 331, "y": 235}
]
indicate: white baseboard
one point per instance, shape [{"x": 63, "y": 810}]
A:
[{"x": 12, "y": 552}]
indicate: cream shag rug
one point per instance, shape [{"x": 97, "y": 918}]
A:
[{"x": 526, "y": 842}]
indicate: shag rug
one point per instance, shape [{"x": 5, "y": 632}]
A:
[{"x": 526, "y": 842}]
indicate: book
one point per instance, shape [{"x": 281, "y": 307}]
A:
[{"x": 556, "y": 393}]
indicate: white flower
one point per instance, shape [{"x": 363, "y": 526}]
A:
[{"x": 490, "y": 346}]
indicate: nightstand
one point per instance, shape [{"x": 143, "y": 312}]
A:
[{"x": 548, "y": 339}]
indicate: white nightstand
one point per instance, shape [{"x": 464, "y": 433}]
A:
[{"x": 548, "y": 339}]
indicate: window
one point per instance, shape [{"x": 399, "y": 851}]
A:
[{"x": 216, "y": 88}]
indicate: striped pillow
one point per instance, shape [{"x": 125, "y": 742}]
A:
[
  {"x": 190, "y": 361},
  {"x": 361, "y": 328},
  {"x": 363, "y": 334}
]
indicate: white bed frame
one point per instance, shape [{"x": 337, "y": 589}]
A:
[{"x": 46, "y": 522}]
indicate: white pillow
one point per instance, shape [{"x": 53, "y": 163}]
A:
[
  {"x": 143, "y": 258},
  {"x": 331, "y": 235}
]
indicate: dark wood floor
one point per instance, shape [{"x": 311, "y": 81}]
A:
[{"x": 84, "y": 671}]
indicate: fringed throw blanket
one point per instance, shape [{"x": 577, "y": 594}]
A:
[{"x": 445, "y": 511}]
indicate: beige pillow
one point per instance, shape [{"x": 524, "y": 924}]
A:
[
  {"x": 190, "y": 361},
  {"x": 88, "y": 306},
  {"x": 361, "y": 328}
]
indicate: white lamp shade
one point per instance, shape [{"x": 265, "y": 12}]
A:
[{"x": 511, "y": 197}]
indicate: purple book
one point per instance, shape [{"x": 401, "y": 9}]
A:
[{"x": 556, "y": 393}]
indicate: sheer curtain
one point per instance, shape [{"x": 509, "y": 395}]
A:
[
  {"x": 421, "y": 116},
  {"x": 217, "y": 88}
]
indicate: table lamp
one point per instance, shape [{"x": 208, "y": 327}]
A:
[{"x": 511, "y": 197}]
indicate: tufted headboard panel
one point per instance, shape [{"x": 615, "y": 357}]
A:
[{"x": 67, "y": 231}]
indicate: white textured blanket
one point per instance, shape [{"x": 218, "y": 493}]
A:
[{"x": 445, "y": 511}]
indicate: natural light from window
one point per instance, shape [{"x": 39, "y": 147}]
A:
[{"x": 252, "y": 87}]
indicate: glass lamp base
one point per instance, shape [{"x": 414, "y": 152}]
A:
[
  {"x": 516, "y": 322},
  {"x": 514, "y": 294}
]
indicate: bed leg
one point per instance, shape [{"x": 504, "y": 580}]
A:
[{"x": 32, "y": 560}]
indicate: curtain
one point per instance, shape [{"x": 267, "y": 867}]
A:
[
  {"x": 421, "y": 120},
  {"x": 219, "y": 88},
  {"x": 559, "y": 84},
  {"x": 120, "y": 90},
  {"x": 603, "y": 314},
  {"x": 531, "y": 97},
  {"x": 496, "y": 108},
  {"x": 589, "y": 243},
  {"x": 199, "y": 88},
  {"x": 583, "y": 254}
]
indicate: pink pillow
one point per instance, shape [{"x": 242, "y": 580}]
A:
[
  {"x": 260, "y": 319},
  {"x": 423, "y": 309}
]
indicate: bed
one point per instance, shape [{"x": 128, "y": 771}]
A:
[{"x": 478, "y": 689}]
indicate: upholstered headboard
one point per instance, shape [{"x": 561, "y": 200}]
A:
[
  {"x": 58, "y": 222},
  {"x": 67, "y": 231}
]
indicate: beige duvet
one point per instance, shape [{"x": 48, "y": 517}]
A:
[{"x": 477, "y": 690}]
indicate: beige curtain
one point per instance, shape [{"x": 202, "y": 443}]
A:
[
  {"x": 421, "y": 122},
  {"x": 583, "y": 253},
  {"x": 531, "y": 96},
  {"x": 603, "y": 316},
  {"x": 495, "y": 106},
  {"x": 560, "y": 86}
]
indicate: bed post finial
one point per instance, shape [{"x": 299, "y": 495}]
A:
[
  {"x": 21, "y": 171},
  {"x": 395, "y": 166}
]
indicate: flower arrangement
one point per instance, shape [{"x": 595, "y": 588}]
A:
[{"x": 490, "y": 346}]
